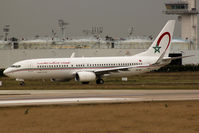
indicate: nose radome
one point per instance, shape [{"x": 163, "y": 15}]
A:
[{"x": 5, "y": 72}]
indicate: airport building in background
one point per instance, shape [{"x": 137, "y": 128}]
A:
[
  {"x": 187, "y": 14},
  {"x": 53, "y": 47}
]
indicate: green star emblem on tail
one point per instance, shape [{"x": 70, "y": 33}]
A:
[{"x": 157, "y": 49}]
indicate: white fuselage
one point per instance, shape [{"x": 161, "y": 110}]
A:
[
  {"x": 65, "y": 68},
  {"x": 89, "y": 69}
]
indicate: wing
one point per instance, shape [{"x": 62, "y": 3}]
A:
[
  {"x": 117, "y": 69},
  {"x": 127, "y": 68}
]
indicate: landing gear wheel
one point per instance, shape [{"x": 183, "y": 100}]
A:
[
  {"x": 85, "y": 83},
  {"x": 99, "y": 81},
  {"x": 22, "y": 83}
]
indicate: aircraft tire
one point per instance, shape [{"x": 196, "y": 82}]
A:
[
  {"x": 22, "y": 83},
  {"x": 99, "y": 81}
]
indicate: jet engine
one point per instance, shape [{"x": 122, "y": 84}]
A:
[{"x": 85, "y": 76}]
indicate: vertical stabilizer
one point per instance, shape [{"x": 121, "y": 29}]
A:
[{"x": 161, "y": 45}]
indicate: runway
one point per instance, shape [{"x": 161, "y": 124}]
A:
[{"x": 53, "y": 97}]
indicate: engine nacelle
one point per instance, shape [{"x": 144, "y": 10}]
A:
[{"x": 85, "y": 76}]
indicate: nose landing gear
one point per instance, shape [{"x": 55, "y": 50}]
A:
[{"x": 21, "y": 83}]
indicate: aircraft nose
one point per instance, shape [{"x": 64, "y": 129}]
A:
[{"x": 5, "y": 72}]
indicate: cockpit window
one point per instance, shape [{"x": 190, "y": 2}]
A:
[{"x": 16, "y": 66}]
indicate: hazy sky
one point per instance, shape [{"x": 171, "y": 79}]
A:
[{"x": 31, "y": 17}]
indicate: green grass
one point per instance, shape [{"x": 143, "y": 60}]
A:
[{"x": 155, "y": 80}]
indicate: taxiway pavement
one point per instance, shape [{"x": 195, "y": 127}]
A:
[{"x": 51, "y": 97}]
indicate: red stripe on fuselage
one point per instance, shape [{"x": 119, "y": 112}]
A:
[{"x": 37, "y": 69}]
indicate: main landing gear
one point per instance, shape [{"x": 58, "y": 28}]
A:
[{"x": 99, "y": 81}]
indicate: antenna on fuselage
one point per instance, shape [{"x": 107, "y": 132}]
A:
[{"x": 72, "y": 55}]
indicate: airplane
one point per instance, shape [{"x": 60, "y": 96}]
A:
[{"x": 87, "y": 69}]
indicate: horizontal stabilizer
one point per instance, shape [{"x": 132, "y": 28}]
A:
[{"x": 175, "y": 58}]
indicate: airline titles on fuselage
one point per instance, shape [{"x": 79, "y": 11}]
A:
[{"x": 61, "y": 64}]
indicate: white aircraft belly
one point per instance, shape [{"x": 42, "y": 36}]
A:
[{"x": 45, "y": 74}]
